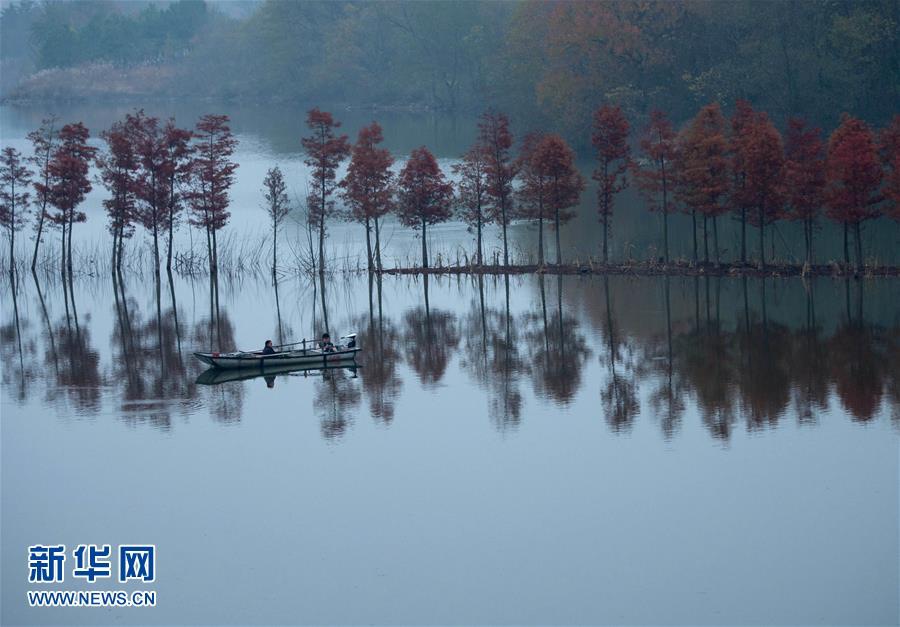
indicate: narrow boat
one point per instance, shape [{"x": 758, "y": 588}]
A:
[{"x": 306, "y": 353}]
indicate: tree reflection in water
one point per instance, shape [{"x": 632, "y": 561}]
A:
[
  {"x": 731, "y": 348},
  {"x": 557, "y": 349},
  {"x": 618, "y": 395},
  {"x": 379, "y": 359},
  {"x": 430, "y": 339},
  {"x": 336, "y": 398}
]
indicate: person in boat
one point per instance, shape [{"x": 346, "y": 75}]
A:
[
  {"x": 325, "y": 345},
  {"x": 268, "y": 349}
]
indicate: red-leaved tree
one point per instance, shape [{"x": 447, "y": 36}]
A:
[
  {"x": 532, "y": 192},
  {"x": 554, "y": 184},
  {"x": 764, "y": 183},
  {"x": 119, "y": 165},
  {"x": 496, "y": 140},
  {"x": 609, "y": 137},
  {"x": 425, "y": 196},
  {"x": 368, "y": 186},
  {"x": 178, "y": 164},
  {"x": 889, "y": 147},
  {"x": 324, "y": 153},
  {"x": 804, "y": 178},
  {"x": 211, "y": 177},
  {"x": 69, "y": 183},
  {"x": 152, "y": 183},
  {"x": 656, "y": 178},
  {"x": 43, "y": 141},
  {"x": 854, "y": 175},
  {"x": 703, "y": 171},
  {"x": 472, "y": 193},
  {"x": 741, "y": 123},
  {"x": 14, "y": 180}
]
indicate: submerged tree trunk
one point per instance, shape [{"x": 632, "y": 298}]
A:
[
  {"x": 859, "y": 254},
  {"x": 762, "y": 238},
  {"x": 478, "y": 254},
  {"x": 369, "y": 256},
  {"x": 665, "y": 234},
  {"x": 541, "y": 240},
  {"x": 377, "y": 244},
  {"x": 424, "y": 244},
  {"x": 743, "y": 235},
  {"x": 716, "y": 237},
  {"x": 40, "y": 232},
  {"x": 705, "y": 240},
  {"x": 846, "y": 245},
  {"x": 694, "y": 231},
  {"x": 558, "y": 247}
]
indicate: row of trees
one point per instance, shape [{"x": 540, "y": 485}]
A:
[
  {"x": 713, "y": 167},
  {"x": 744, "y": 166},
  {"x": 156, "y": 172}
]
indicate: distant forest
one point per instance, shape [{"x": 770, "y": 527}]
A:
[{"x": 546, "y": 63}]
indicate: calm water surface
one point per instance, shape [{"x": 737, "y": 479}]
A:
[
  {"x": 576, "y": 450},
  {"x": 521, "y": 450}
]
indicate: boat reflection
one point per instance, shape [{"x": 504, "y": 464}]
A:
[{"x": 218, "y": 376}]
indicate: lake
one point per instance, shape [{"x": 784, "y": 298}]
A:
[{"x": 522, "y": 449}]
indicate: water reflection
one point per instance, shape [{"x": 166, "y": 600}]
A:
[{"x": 722, "y": 353}]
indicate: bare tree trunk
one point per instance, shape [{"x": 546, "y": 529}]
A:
[
  {"x": 478, "y": 237},
  {"x": 424, "y": 244},
  {"x": 541, "y": 239},
  {"x": 558, "y": 247},
  {"x": 716, "y": 237},
  {"x": 377, "y": 244},
  {"x": 40, "y": 232},
  {"x": 369, "y": 244},
  {"x": 762, "y": 238},
  {"x": 846, "y": 245},
  {"x": 705, "y": 241},
  {"x": 743, "y": 235},
  {"x": 694, "y": 231},
  {"x": 859, "y": 254}
]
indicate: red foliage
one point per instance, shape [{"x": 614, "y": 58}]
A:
[
  {"x": 854, "y": 175},
  {"x": 472, "y": 191},
  {"x": 324, "y": 153},
  {"x": 44, "y": 142},
  {"x": 804, "y": 177},
  {"x": 804, "y": 170},
  {"x": 118, "y": 170},
  {"x": 368, "y": 187},
  {"x": 425, "y": 196},
  {"x": 552, "y": 184},
  {"x": 702, "y": 164},
  {"x": 889, "y": 147},
  {"x": 213, "y": 172},
  {"x": 854, "y": 172},
  {"x": 609, "y": 137},
  {"x": 764, "y": 167},
  {"x": 68, "y": 170},
  {"x": 211, "y": 175},
  {"x": 656, "y": 179},
  {"x": 496, "y": 140}
]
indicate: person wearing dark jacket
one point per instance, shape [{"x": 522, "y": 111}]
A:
[{"x": 268, "y": 349}]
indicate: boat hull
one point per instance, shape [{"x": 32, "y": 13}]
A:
[{"x": 254, "y": 361}]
